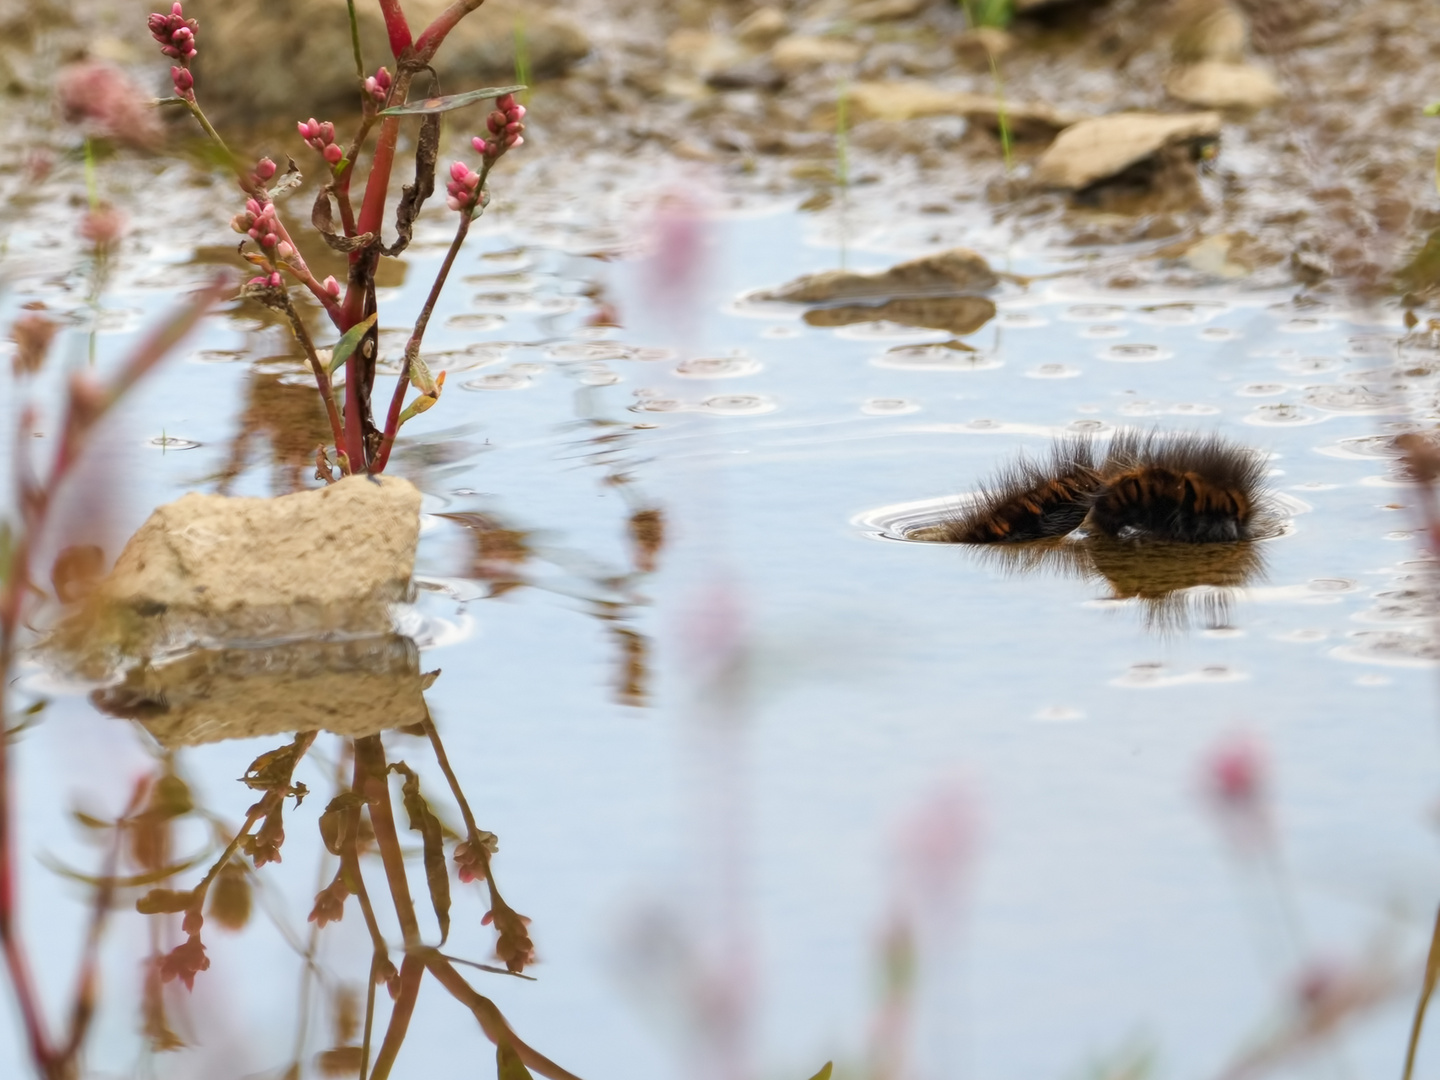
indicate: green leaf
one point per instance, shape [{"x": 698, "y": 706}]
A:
[
  {"x": 825, "y": 1071},
  {"x": 350, "y": 342},
  {"x": 450, "y": 101},
  {"x": 508, "y": 1065},
  {"x": 1432, "y": 109}
]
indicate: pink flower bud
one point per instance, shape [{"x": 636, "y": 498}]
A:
[
  {"x": 183, "y": 80},
  {"x": 514, "y": 128},
  {"x": 332, "y": 153},
  {"x": 177, "y": 10},
  {"x": 102, "y": 226},
  {"x": 276, "y": 280},
  {"x": 459, "y": 170},
  {"x": 284, "y": 249},
  {"x": 303, "y": 128},
  {"x": 453, "y": 202},
  {"x": 327, "y": 132},
  {"x": 265, "y": 168},
  {"x": 506, "y": 103},
  {"x": 512, "y": 141},
  {"x": 496, "y": 121},
  {"x": 480, "y": 145},
  {"x": 517, "y": 113},
  {"x": 331, "y": 286},
  {"x": 258, "y": 281},
  {"x": 269, "y": 240}
]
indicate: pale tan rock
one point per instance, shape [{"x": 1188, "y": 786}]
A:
[
  {"x": 293, "y": 59},
  {"x": 887, "y": 10},
  {"x": 207, "y": 568},
  {"x": 1219, "y": 84},
  {"x": 1098, "y": 148},
  {"x": 351, "y": 687},
  {"x": 983, "y": 42},
  {"x": 1208, "y": 30},
  {"x": 908, "y": 99},
  {"x": 762, "y": 28},
  {"x": 947, "y": 273},
  {"x": 700, "y": 52},
  {"x": 799, "y": 52}
]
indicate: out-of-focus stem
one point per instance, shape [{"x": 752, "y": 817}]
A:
[
  {"x": 431, "y": 37},
  {"x": 412, "y": 970}
]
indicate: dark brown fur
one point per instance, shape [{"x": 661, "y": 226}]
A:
[
  {"x": 1195, "y": 489},
  {"x": 1031, "y": 501}
]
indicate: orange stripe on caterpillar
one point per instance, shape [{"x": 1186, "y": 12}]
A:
[{"x": 1029, "y": 500}]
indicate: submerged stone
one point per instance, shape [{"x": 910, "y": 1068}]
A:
[
  {"x": 952, "y": 272},
  {"x": 957, "y": 314}
]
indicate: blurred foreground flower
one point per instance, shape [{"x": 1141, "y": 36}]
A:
[{"x": 104, "y": 98}]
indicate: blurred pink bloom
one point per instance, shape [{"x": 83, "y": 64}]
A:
[
  {"x": 102, "y": 226},
  {"x": 104, "y": 98},
  {"x": 937, "y": 845},
  {"x": 1235, "y": 774}
]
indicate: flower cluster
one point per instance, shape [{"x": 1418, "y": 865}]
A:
[
  {"x": 107, "y": 100},
  {"x": 258, "y": 221},
  {"x": 378, "y": 86},
  {"x": 463, "y": 189},
  {"x": 507, "y": 128},
  {"x": 176, "y": 35},
  {"x": 322, "y": 138}
]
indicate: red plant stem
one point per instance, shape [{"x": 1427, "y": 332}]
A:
[
  {"x": 396, "y": 26},
  {"x": 373, "y": 780},
  {"x": 80, "y": 418},
  {"x": 412, "y": 347},
  {"x": 491, "y": 1021},
  {"x": 434, "y": 34},
  {"x": 412, "y": 970}
]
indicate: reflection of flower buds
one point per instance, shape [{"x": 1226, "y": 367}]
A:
[
  {"x": 32, "y": 334},
  {"x": 185, "y": 961}
]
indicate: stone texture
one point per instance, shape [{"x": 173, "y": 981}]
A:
[
  {"x": 762, "y": 28},
  {"x": 351, "y": 687},
  {"x": 909, "y": 99},
  {"x": 947, "y": 273},
  {"x": 1221, "y": 84},
  {"x": 887, "y": 10},
  {"x": 210, "y": 569},
  {"x": 255, "y": 60},
  {"x": 798, "y": 52},
  {"x": 1099, "y": 148}
]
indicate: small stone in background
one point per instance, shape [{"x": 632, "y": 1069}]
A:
[
  {"x": 1104, "y": 146},
  {"x": 1219, "y": 84},
  {"x": 799, "y": 52},
  {"x": 762, "y": 28}
]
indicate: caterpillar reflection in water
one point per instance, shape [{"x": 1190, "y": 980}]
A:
[{"x": 1181, "y": 487}]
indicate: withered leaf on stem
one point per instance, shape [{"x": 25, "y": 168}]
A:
[
  {"x": 333, "y": 819},
  {"x": 322, "y": 217},
  {"x": 413, "y": 197},
  {"x": 424, "y": 821},
  {"x": 164, "y": 901},
  {"x": 230, "y": 899},
  {"x": 272, "y": 769}
]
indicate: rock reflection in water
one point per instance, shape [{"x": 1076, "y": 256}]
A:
[
  {"x": 1176, "y": 585},
  {"x": 357, "y": 687}
]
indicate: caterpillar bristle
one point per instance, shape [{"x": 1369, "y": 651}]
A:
[
  {"x": 1185, "y": 487},
  {"x": 1031, "y": 500}
]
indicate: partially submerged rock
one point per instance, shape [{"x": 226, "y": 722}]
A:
[
  {"x": 799, "y": 52},
  {"x": 1105, "y": 146},
  {"x": 350, "y": 687},
  {"x": 1222, "y": 84},
  {"x": 908, "y": 99},
  {"x": 208, "y": 570},
  {"x": 951, "y": 272},
  {"x": 957, "y": 314}
]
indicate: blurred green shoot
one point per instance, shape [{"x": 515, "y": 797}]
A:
[
  {"x": 522, "y": 60},
  {"x": 92, "y": 186},
  {"x": 355, "y": 40},
  {"x": 995, "y": 13},
  {"x": 842, "y": 136},
  {"x": 1432, "y": 976}
]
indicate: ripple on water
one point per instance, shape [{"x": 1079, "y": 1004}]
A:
[
  {"x": 889, "y": 407},
  {"x": 1153, "y": 675},
  {"x": 1094, "y": 313},
  {"x": 1308, "y": 365},
  {"x": 1021, "y": 320},
  {"x": 1282, "y": 415},
  {"x": 171, "y": 442},
  {"x": 1135, "y": 353},
  {"x": 501, "y": 380},
  {"x": 883, "y": 330},
  {"x": 942, "y": 356},
  {"x": 1305, "y": 324},
  {"x": 1104, "y": 330},
  {"x": 1053, "y": 371},
  {"x": 216, "y": 356},
  {"x": 475, "y": 321},
  {"x": 1261, "y": 390},
  {"x": 737, "y": 405},
  {"x": 1357, "y": 400},
  {"x": 1370, "y": 345},
  {"x": 717, "y": 367},
  {"x": 1183, "y": 313},
  {"x": 1395, "y": 648},
  {"x": 1218, "y": 333}
]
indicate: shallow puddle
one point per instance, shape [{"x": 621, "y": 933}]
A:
[{"x": 704, "y": 758}]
